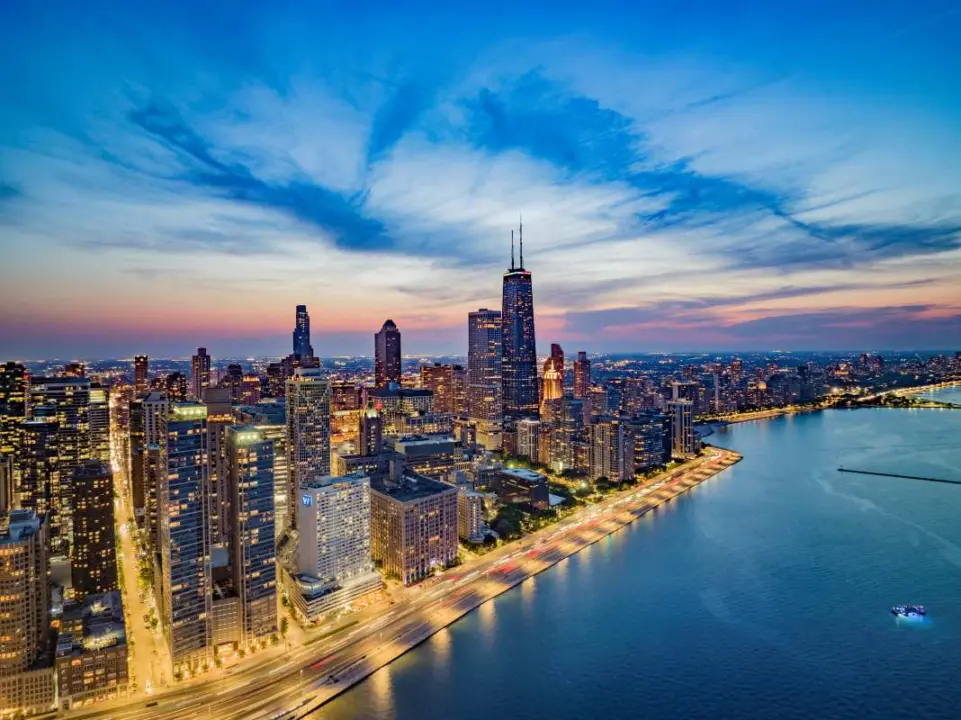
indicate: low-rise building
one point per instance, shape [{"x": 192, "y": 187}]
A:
[
  {"x": 522, "y": 487},
  {"x": 430, "y": 455},
  {"x": 91, "y": 656}
]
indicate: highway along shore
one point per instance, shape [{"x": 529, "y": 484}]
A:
[
  {"x": 306, "y": 676},
  {"x": 474, "y": 583}
]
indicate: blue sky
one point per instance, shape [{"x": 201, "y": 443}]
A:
[{"x": 702, "y": 175}]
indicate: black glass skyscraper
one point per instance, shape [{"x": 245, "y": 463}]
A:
[
  {"x": 302, "y": 346},
  {"x": 387, "y": 355},
  {"x": 519, "y": 347}
]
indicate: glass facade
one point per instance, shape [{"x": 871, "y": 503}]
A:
[{"x": 185, "y": 546}]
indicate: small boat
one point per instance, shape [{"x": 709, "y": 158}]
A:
[{"x": 909, "y": 611}]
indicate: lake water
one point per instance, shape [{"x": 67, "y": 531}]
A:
[{"x": 764, "y": 593}]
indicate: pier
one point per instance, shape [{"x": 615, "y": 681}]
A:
[{"x": 897, "y": 475}]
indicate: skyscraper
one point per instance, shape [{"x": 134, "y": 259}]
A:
[
  {"x": 98, "y": 416},
  {"x": 334, "y": 561},
  {"x": 219, "y": 418},
  {"x": 93, "y": 558},
  {"x": 519, "y": 347},
  {"x": 683, "y": 438},
  {"x": 24, "y": 614},
  {"x": 371, "y": 431},
  {"x": 185, "y": 592},
  {"x": 141, "y": 371},
  {"x": 552, "y": 382},
  {"x": 582, "y": 375},
  {"x": 484, "y": 336},
  {"x": 610, "y": 450},
  {"x": 253, "y": 558},
  {"x": 66, "y": 399},
  {"x": 199, "y": 373},
  {"x": 446, "y": 382},
  {"x": 135, "y": 463},
  {"x": 308, "y": 431},
  {"x": 387, "y": 355},
  {"x": 302, "y": 346},
  {"x": 13, "y": 404},
  {"x": 176, "y": 387}
]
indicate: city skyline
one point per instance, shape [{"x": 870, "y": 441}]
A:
[{"x": 727, "y": 179}]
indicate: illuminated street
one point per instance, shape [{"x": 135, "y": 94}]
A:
[
  {"x": 292, "y": 685},
  {"x": 148, "y": 653}
]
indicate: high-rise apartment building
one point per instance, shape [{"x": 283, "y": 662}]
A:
[
  {"x": 582, "y": 375},
  {"x": 253, "y": 557},
  {"x": 199, "y": 373},
  {"x": 155, "y": 406},
  {"x": 153, "y": 466},
  {"x": 135, "y": 462},
  {"x": 470, "y": 514},
  {"x": 185, "y": 590},
  {"x": 141, "y": 374},
  {"x": 38, "y": 468},
  {"x": 8, "y": 487},
  {"x": 67, "y": 400},
  {"x": 93, "y": 558},
  {"x": 528, "y": 434},
  {"x": 484, "y": 356},
  {"x": 568, "y": 426},
  {"x": 98, "y": 417},
  {"x": 219, "y": 418},
  {"x": 519, "y": 347},
  {"x": 684, "y": 443},
  {"x": 447, "y": 382},
  {"x": 308, "y": 431},
  {"x": 13, "y": 404},
  {"x": 413, "y": 525},
  {"x": 610, "y": 450},
  {"x": 371, "y": 433},
  {"x": 26, "y": 687},
  {"x": 387, "y": 355},
  {"x": 302, "y": 346},
  {"x": 334, "y": 555}
]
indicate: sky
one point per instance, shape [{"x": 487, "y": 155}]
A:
[{"x": 692, "y": 176}]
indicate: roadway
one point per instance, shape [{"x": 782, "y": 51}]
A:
[
  {"x": 295, "y": 684},
  {"x": 145, "y": 647}
]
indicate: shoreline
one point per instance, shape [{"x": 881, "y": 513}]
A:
[
  {"x": 714, "y": 423},
  {"x": 304, "y": 672},
  {"x": 638, "y": 502}
]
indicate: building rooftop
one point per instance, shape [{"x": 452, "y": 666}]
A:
[
  {"x": 422, "y": 444},
  {"x": 97, "y": 623},
  {"x": 410, "y": 487},
  {"x": 397, "y": 391},
  {"x": 324, "y": 480},
  {"x": 263, "y": 413},
  {"x": 58, "y": 380},
  {"x": 20, "y": 525},
  {"x": 524, "y": 474}
]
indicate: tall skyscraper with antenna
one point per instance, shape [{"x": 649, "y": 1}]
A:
[{"x": 519, "y": 348}]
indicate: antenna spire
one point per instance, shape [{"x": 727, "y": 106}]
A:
[
  {"x": 522, "y": 240},
  {"x": 512, "y": 249}
]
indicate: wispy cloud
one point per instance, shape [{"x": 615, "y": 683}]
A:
[{"x": 660, "y": 188}]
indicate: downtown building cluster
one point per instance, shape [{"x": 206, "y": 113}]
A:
[{"x": 294, "y": 488}]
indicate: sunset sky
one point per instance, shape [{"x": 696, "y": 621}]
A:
[{"x": 692, "y": 176}]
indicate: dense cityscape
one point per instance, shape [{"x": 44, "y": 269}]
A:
[{"x": 164, "y": 520}]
